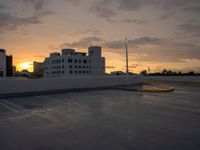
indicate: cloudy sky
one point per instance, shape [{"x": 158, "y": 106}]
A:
[{"x": 161, "y": 33}]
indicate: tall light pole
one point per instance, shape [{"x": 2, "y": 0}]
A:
[{"x": 127, "y": 70}]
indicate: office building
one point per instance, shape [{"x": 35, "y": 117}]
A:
[
  {"x": 2, "y": 63},
  {"x": 71, "y": 63},
  {"x": 9, "y": 66}
]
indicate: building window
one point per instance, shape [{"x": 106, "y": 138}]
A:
[
  {"x": 70, "y": 66},
  {"x": 90, "y": 61},
  {"x": 70, "y": 72},
  {"x": 75, "y": 67},
  {"x": 63, "y": 67},
  {"x": 69, "y": 60},
  {"x": 79, "y": 72},
  {"x": 83, "y": 72},
  {"x": 62, "y": 60},
  {"x": 75, "y": 72},
  {"x": 84, "y": 67},
  {"x": 75, "y": 61},
  {"x": 79, "y": 61},
  {"x": 85, "y": 61},
  {"x": 63, "y": 72},
  {"x": 79, "y": 66}
]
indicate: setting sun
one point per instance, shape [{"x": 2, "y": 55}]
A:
[{"x": 26, "y": 65}]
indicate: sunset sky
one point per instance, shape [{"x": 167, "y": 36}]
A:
[{"x": 162, "y": 33}]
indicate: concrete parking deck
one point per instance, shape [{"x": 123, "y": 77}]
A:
[{"x": 102, "y": 120}]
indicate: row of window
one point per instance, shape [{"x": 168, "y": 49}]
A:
[
  {"x": 79, "y": 67},
  {"x": 70, "y": 60},
  {"x": 70, "y": 72},
  {"x": 85, "y": 61},
  {"x": 58, "y": 61},
  {"x": 59, "y": 67},
  {"x": 79, "y": 72}
]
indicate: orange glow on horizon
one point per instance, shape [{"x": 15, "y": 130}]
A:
[{"x": 25, "y": 66}]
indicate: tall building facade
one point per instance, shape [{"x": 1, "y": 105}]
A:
[
  {"x": 9, "y": 66},
  {"x": 71, "y": 63},
  {"x": 2, "y": 62}
]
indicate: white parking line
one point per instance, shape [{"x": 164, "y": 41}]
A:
[
  {"x": 17, "y": 106},
  {"x": 51, "y": 99},
  {"x": 9, "y": 107}
]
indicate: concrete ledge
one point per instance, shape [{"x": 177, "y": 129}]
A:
[
  {"x": 180, "y": 79},
  {"x": 52, "y": 92},
  {"x": 173, "y": 81},
  {"x": 27, "y": 87}
]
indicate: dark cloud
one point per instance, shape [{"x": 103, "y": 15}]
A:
[
  {"x": 133, "y": 66},
  {"x": 103, "y": 10},
  {"x": 44, "y": 13},
  {"x": 108, "y": 9},
  {"x": 2, "y": 6},
  {"x": 36, "y": 4},
  {"x": 75, "y": 2},
  {"x": 114, "y": 44},
  {"x": 146, "y": 40},
  {"x": 193, "y": 9},
  {"x": 151, "y": 49},
  {"x": 190, "y": 28},
  {"x": 87, "y": 32},
  {"x": 178, "y": 3},
  {"x": 11, "y": 22},
  {"x": 133, "y": 42},
  {"x": 133, "y": 4},
  {"x": 135, "y": 21},
  {"x": 83, "y": 43}
]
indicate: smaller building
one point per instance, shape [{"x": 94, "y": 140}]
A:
[
  {"x": 2, "y": 63},
  {"x": 38, "y": 68},
  {"x": 9, "y": 66},
  {"x": 14, "y": 70}
]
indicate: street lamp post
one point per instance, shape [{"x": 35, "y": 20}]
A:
[{"x": 127, "y": 69}]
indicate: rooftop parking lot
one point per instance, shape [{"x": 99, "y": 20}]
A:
[{"x": 113, "y": 119}]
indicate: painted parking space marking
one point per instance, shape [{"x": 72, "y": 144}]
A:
[
  {"x": 8, "y": 107},
  {"x": 15, "y": 105}
]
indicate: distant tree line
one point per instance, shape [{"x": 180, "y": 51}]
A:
[{"x": 166, "y": 72}]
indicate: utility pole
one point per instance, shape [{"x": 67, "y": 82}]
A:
[{"x": 127, "y": 70}]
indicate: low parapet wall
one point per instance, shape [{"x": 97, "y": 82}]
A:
[
  {"x": 16, "y": 86},
  {"x": 179, "y": 79}
]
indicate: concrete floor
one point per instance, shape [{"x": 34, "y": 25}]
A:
[{"x": 102, "y": 120}]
